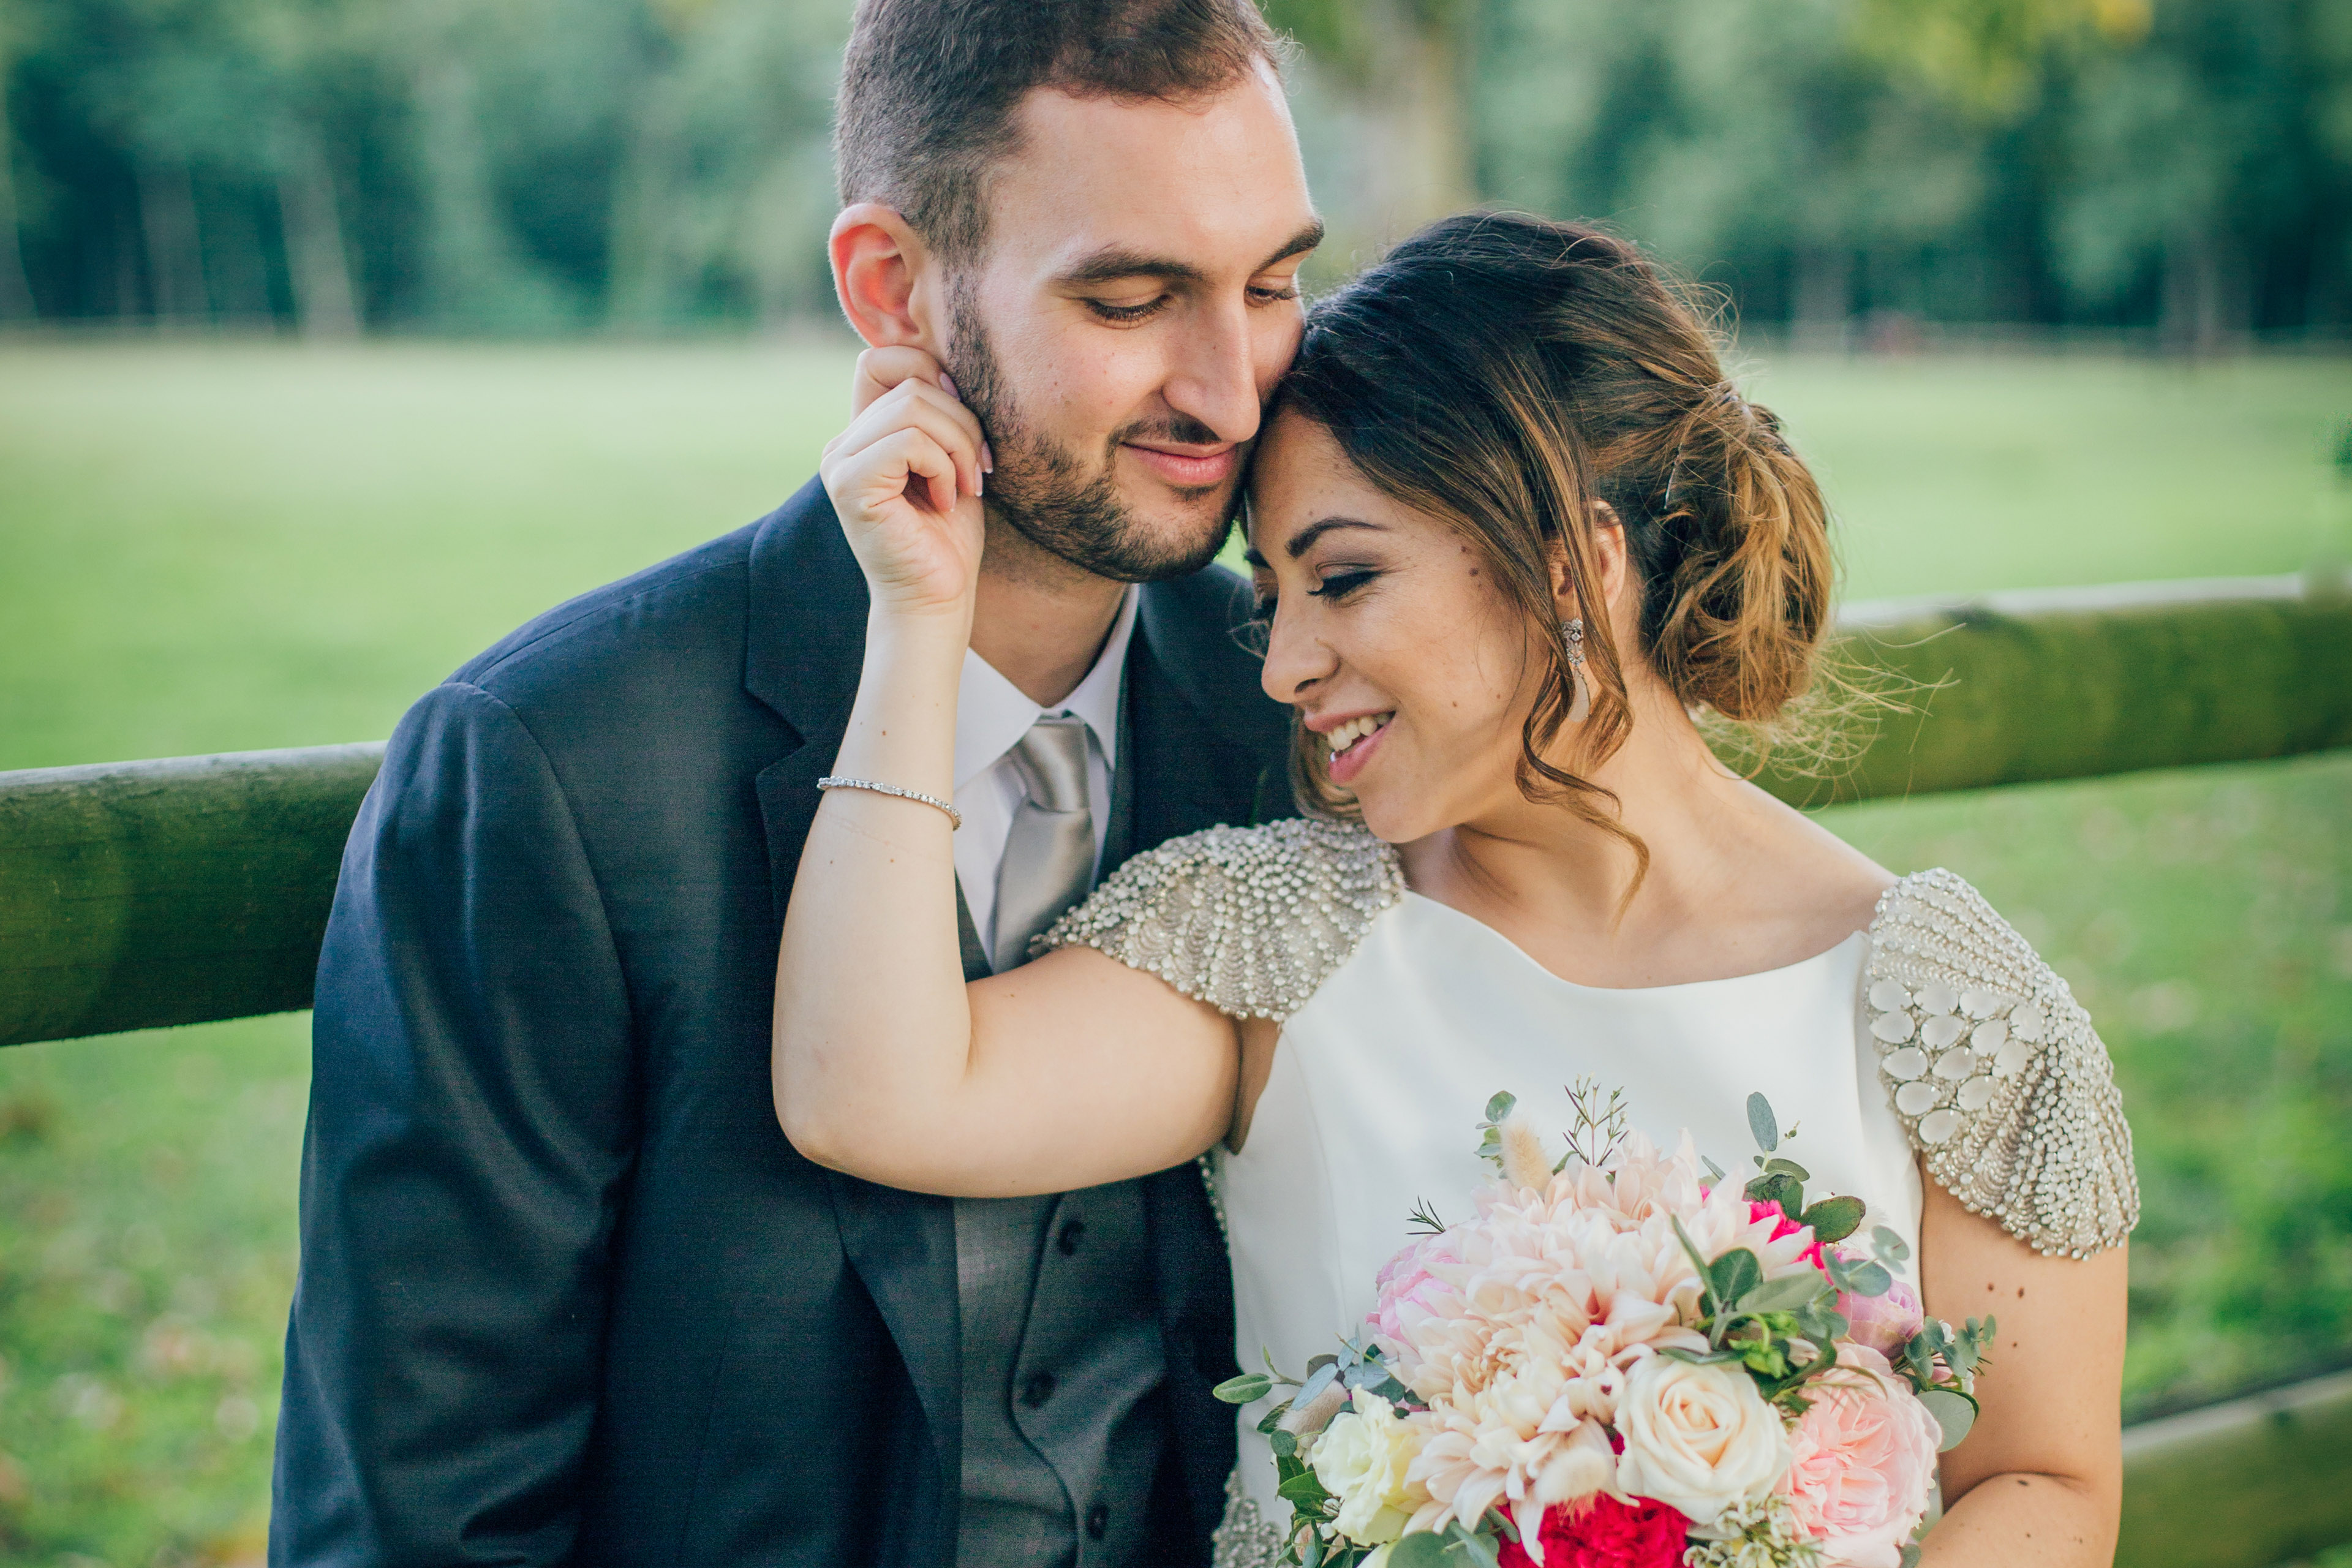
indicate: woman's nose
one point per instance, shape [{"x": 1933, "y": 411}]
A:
[{"x": 1294, "y": 657}]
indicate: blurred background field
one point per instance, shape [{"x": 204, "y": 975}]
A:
[{"x": 2051, "y": 291}]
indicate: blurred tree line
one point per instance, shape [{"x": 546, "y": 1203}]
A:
[{"x": 543, "y": 165}]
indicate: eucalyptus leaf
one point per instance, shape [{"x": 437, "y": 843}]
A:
[
  {"x": 1778, "y": 1187},
  {"x": 1469, "y": 1543},
  {"x": 1762, "y": 1123},
  {"x": 1421, "y": 1550},
  {"x": 1888, "y": 1245},
  {"x": 1833, "y": 1219},
  {"x": 1714, "y": 1171},
  {"x": 1321, "y": 1378},
  {"x": 1787, "y": 1167},
  {"x": 1955, "y": 1413},
  {"x": 1284, "y": 1443},
  {"x": 1501, "y": 1105},
  {"x": 1734, "y": 1274},
  {"x": 1870, "y": 1279},
  {"x": 1789, "y": 1293},
  {"x": 1246, "y": 1389}
]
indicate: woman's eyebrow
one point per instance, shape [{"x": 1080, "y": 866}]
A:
[{"x": 1303, "y": 540}]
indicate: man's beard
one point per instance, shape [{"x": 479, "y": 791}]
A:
[{"x": 1045, "y": 493}]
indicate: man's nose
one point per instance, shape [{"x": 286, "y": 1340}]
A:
[{"x": 1214, "y": 377}]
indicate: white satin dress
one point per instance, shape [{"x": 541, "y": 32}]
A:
[
  {"x": 1380, "y": 1081},
  {"x": 1934, "y": 1038}
]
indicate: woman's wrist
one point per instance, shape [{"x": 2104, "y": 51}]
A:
[{"x": 902, "y": 727}]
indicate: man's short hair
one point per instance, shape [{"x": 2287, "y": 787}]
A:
[{"x": 929, "y": 88}]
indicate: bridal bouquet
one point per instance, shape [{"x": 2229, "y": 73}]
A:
[{"x": 1624, "y": 1358}]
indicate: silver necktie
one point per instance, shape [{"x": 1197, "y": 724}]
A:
[{"x": 1049, "y": 857}]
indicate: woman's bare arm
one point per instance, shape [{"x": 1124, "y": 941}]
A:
[
  {"x": 1065, "y": 1073},
  {"x": 2039, "y": 1482}
]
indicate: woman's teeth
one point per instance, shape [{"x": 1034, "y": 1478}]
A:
[{"x": 1355, "y": 729}]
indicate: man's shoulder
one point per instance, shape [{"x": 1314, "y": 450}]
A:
[
  {"x": 706, "y": 585},
  {"x": 687, "y": 623}
]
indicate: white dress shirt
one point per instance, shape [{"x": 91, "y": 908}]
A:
[{"x": 991, "y": 715}]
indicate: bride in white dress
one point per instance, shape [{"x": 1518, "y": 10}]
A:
[{"x": 1511, "y": 527}]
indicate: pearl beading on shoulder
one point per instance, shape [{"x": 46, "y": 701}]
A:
[
  {"x": 1248, "y": 919},
  {"x": 1995, "y": 1070}
]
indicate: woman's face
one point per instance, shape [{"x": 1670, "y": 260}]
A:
[{"x": 1389, "y": 637}]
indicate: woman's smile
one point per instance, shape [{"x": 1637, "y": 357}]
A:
[{"x": 1353, "y": 741}]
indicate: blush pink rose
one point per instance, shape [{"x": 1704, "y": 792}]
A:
[
  {"x": 1884, "y": 1324},
  {"x": 1861, "y": 1461},
  {"x": 1405, "y": 1280}
]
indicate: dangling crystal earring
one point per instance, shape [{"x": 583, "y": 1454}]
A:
[{"x": 1572, "y": 632}]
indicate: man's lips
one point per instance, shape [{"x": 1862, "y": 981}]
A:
[{"x": 1188, "y": 471}]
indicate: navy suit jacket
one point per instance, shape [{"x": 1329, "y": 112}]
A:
[{"x": 567, "y": 1295}]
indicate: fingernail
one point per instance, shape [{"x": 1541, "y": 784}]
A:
[
  {"x": 947, "y": 385},
  {"x": 987, "y": 459}
]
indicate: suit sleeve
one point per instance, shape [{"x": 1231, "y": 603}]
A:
[{"x": 469, "y": 1125}]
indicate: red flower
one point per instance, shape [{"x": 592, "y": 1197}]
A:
[
  {"x": 1606, "y": 1533},
  {"x": 1783, "y": 1225}
]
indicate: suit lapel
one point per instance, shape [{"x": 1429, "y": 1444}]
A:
[{"x": 803, "y": 648}]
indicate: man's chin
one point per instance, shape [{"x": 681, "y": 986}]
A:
[{"x": 1186, "y": 528}]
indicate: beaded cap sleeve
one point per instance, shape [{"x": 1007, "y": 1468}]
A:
[
  {"x": 1248, "y": 919},
  {"x": 1996, "y": 1071}
]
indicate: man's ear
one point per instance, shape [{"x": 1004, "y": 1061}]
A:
[{"x": 882, "y": 274}]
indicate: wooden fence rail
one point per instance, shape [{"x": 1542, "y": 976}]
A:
[
  {"x": 140, "y": 894},
  {"x": 134, "y": 895}
]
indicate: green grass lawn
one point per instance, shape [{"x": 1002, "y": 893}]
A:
[{"x": 210, "y": 548}]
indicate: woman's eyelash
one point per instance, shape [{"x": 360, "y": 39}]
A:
[{"x": 1339, "y": 584}]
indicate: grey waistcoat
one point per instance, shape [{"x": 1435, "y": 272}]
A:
[{"x": 1061, "y": 1349}]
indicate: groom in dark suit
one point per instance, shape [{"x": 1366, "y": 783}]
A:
[{"x": 566, "y": 1293}]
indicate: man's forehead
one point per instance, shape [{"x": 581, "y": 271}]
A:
[{"x": 1212, "y": 183}]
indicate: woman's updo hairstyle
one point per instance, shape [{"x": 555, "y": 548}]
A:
[{"x": 1504, "y": 372}]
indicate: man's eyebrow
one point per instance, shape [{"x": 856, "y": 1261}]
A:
[
  {"x": 1299, "y": 244},
  {"x": 1115, "y": 263}
]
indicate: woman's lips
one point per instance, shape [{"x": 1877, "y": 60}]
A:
[
  {"x": 1347, "y": 764},
  {"x": 1186, "y": 471}
]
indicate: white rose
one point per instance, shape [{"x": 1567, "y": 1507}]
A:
[
  {"x": 1697, "y": 1438},
  {"x": 1361, "y": 1459}
]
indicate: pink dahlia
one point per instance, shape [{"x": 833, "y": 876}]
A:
[
  {"x": 1605, "y": 1533},
  {"x": 1863, "y": 1460}
]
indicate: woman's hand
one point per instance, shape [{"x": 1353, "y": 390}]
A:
[{"x": 906, "y": 478}]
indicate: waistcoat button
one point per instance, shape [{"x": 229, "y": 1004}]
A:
[{"x": 1037, "y": 1388}]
